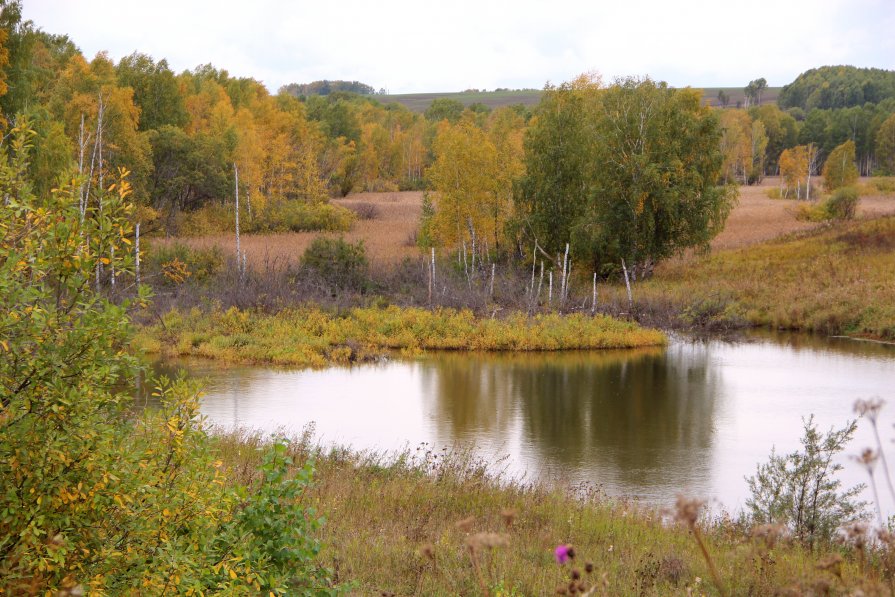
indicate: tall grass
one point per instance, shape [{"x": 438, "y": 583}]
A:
[
  {"x": 312, "y": 337},
  {"x": 835, "y": 281},
  {"x": 435, "y": 522}
]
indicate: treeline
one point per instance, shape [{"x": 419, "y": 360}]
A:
[
  {"x": 326, "y": 87},
  {"x": 184, "y": 137},
  {"x": 754, "y": 139},
  {"x": 831, "y": 87},
  {"x": 187, "y": 138}
]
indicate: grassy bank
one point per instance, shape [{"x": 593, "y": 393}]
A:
[
  {"x": 426, "y": 523},
  {"x": 836, "y": 281},
  {"x": 312, "y": 337}
]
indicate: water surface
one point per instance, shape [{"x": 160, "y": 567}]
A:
[{"x": 695, "y": 417}]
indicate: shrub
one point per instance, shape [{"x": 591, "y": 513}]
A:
[
  {"x": 341, "y": 264},
  {"x": 885, "y": 185},
  {"x": 189, "y": 262},
  {"x": 800, "y": 489},
  {"x": 277, "y": 216},
  {"x": 300, "y": 216},
  {"x": 842, "y": 204},
  {"x": 365, "y": 210}
]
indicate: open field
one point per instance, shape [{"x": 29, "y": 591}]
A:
[
  {"x": 389, "y": 236},
  {"x": 418, "y": 102}
]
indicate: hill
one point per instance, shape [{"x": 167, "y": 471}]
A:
[
  {"x": 838, "y": 87},
  {"x": 418, "y": 102}
]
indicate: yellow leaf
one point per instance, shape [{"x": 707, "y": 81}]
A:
[
  {"x": 232, "y": 574},
  {"x": 5, "y": 345}
]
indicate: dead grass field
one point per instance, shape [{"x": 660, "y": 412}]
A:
[
  {"x": 756, "y": 218},
  {"x": 389, "y": 236}
]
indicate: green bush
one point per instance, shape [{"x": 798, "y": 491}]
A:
[
  {"x": 200, "y": 264},
  {"x": 278, "y": 216},
  {"x": 842, "y": 204},
  {"x": 800, "y": 489},
  {"x": 341, "y": 264},
  {"x": 299, "y": 216}
]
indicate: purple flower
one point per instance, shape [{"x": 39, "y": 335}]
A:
[{"x": 561, "y": 553}]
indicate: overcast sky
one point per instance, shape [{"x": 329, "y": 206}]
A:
[{"x": 420, "y": 46}]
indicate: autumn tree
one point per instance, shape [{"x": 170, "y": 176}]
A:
[
  {"x": 796, "y": 167},
  {"x": 736, "y": 145},
  {"x": 472, "y": 201},
  {"x": 758, "y": 140},
  {"x": 840, "y": 169}
]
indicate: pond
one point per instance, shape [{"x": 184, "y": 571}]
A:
[{"x": 695, "y": 417}]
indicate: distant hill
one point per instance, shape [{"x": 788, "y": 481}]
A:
[
  {"x": 838, "y": 87},
  {"x": 418, "y": 102}
]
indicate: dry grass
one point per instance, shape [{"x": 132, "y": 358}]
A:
[
  {"x": 429, "y": 522},
  {"x": 754, "y": 220},
  {"x": 757, "y": 218},
  {"x": 384, "y": 236},
  {"x": 835, "y": 280}
]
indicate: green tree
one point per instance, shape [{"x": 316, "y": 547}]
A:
[
  {"x": 754, "y": 89},
  {"x": 638, "y": 179},
  {"x": 156, "y": 91},
  {"x": 885, "y": 146},
  {"x": 840, "y": 169},
  {"x": 656, "y": 187},
  {"x": 188, "y": 172},
  {"x": 444, "y": 108},
  {"x": 560, "y": 161}
]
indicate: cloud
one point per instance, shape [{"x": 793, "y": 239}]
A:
[{"x": 416, "y": 46}]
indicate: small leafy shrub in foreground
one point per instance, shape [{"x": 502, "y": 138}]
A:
[
  {"x": 800, "y": 490},
  {"x": 340, "y": 263}
]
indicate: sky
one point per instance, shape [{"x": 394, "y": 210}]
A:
[{"x": 418, "y": 47}]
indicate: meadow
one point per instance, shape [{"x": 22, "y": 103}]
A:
[{"x": 434, "y": 522}]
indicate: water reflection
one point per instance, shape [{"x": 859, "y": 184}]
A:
[
  {"x": 626, "y": 418},
  {"x": 696, "y": 416}
]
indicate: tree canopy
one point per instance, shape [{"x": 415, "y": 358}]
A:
[
  {"x": 628, "y": 172},
  {"x": 838, "y": 87}
]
